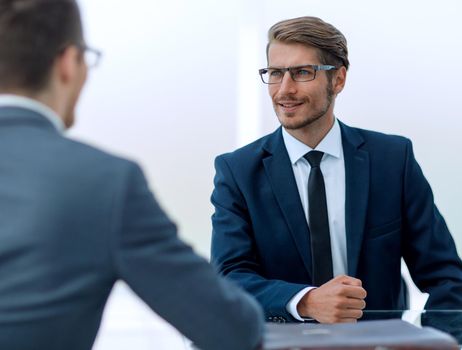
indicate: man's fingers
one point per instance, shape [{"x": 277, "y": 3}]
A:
[
  {"x": 351, "y": 314},
  {"x": 348, "y": 304},
  {"x": 339, "y": 300},
  {"x": 347, "y": 320},
  {"x": 348, "y": 280},
  {"x": 354, "y": 292},
  {"x": 357, "y": 304},
  {"x": 345, "y": 316}
]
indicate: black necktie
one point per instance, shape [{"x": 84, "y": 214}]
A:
[{"x": 318, "y": 221}]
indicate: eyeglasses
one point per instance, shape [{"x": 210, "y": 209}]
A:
[
  {"x": 92, "y": 56},
  {"x": 300, "y": 73}
]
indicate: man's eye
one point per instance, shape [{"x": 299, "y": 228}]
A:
[
  {"x": 303, "y": 73},
  {"x": 275, "y": 73}
]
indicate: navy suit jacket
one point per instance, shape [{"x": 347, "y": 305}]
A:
[
  {"x": 73, "y": 221},
  {"x": 261, "y": 238}
]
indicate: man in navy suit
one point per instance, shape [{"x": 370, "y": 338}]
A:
[
  {"x": 314, "y": 219},
  {"x": 74, "y": 220}
]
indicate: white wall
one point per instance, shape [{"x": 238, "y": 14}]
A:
[{"x": 165, "y": 95}]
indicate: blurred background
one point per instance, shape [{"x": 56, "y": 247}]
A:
[{"x": 178, "y": 85}]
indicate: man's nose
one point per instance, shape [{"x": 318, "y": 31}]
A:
[{"x": 287, "y": 85}]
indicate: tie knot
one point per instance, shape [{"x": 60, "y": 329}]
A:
[{"x": 314, "y": 158}]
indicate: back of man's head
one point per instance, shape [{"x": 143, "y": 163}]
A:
[{"x": 32, "y": 34}]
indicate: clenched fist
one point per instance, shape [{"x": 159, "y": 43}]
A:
[{"x": 339, "y": 300}]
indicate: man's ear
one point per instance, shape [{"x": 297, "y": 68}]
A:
[
  {"x": 339, "y": 79},
  {"x": 67, "y": 65}
]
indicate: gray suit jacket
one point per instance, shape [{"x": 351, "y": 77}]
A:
[{"x": 73, "y": 221}]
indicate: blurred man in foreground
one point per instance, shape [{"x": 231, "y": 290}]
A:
[{"x": 74, "y": 220}]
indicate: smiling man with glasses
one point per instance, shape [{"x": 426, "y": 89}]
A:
[
  {"x": 314, "y": 219},
  {"x": 74, "y": 220}
]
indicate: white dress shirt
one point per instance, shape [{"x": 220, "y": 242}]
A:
[
  {"x": 333, "y": 170},
  {"x": 33, "y": 105}
]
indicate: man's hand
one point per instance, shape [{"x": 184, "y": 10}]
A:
[{"x": 339, "y": 300}]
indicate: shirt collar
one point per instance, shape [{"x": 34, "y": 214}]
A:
[
  {"x": 331, "y": 144},
  {"x": 33, "y": 105}
]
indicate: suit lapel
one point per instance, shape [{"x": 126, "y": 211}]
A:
[
  {"x": 281, "y": 177},
  {"x": 357, "y": 193}
]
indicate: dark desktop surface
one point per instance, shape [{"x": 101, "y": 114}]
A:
[{"x": 377, "y": 330}]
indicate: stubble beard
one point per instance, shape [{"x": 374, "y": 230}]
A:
[{"x": 312, "y": 117}]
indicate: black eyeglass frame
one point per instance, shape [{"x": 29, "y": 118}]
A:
[
  {"x": 84, "y": 48},
  {"x": 97, "y": 54},
  {"x": 315, "y": 67}
]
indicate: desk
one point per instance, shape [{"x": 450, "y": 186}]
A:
[{"x": 378, "y": 330}]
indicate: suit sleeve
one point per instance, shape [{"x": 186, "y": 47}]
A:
[
  {"x": 428, "y": 247},
  {"x": 234, "y": 251},
  {"x": 176, "y": 283}
]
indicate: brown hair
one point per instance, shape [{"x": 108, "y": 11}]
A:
[
  {"x": 314, "y": 32},
  {"x": 32, "y": 34}
]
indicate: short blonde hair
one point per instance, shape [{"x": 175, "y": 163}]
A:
[{"x": 313, "y": 32}]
